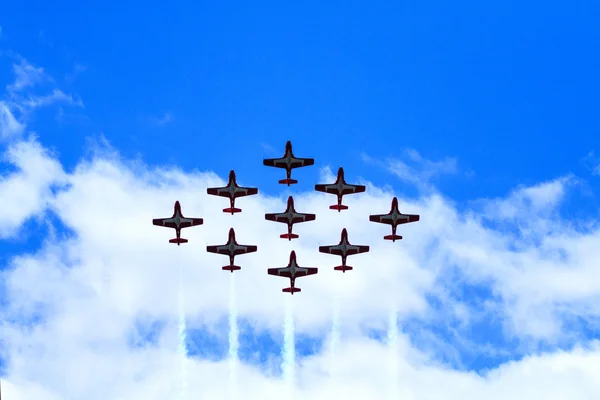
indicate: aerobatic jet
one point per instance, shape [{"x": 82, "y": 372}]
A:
[
  {"x": 289, "y": 162},
  {"x": 292, "y": 271},
  {"x": 343, "y": 249},
  {"x": 177, "y": 222},
  {"x": 340, "y": 188},
  {"x": 394, "y": 218},
  {"x": 232, "y": 191},
  {"x": 231, "y": 249},
  {"x": 290, "y": 217}
]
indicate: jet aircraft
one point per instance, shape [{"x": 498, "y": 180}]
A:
[
  {"x": 178, "y": 222},
  {"x": 394, "y": 218},
  {"x": 343, "y": 249},
  {"x": 232, "y": 191},
  {"x": 292, "y": 271},
  {"x": 231, "y": 249},
  {"x": 289, "y": 162},
  {"x": 340, "y": 188},
  {"x": 290, "y": 217}
]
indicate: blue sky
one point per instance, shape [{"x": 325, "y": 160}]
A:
[{"x": 471, "y": 102}]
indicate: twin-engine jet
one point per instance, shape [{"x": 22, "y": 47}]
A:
[
  {"x": 343, "y": 249},
  {"x": 231, "y": 249},
  {"x": 232, "y": 191},
  {"x": 290, "y": 217},
  {"x": 178, "y": 222},
  {"x": 394, "y": 218},
  {"x": 340, "y": 188},
  {"x": 288, "y": 162},
  {"x": 292, "y": 271}
]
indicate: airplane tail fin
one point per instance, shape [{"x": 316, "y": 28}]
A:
[
  {"x": 339, "y": 207},
  {"x": 393, "y": 238},
  {"x": 289, "y": 236},
  {"x": 288, "y": 181},
  {"x": 231, "y": 268},
  {"x": 343, "y": 268},
  {"x": 232, "y": 210},
  {"x": 291, "y": 290},
  {"x": 178, "y": 241}
]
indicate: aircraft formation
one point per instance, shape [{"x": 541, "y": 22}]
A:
[{"x": 290, "y": 216}]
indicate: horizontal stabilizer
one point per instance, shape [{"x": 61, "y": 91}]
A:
[
  {"x": 231, "y": 268},
  {"x": 338, "y": 207},
  {"x": 288, "y": 181},
  {"x": 343, "y": 268},
  {"x": 289, "y": 236},
  {"x": 232, "y": 210},
  {"x": 178, "y": 241},
  {"x": 291, "y": 290},
  {"x": 393, "y": 238}
]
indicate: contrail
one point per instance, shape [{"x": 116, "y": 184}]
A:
[
  {"x": 393, "y": 346},
  {"x": 182, "y": 335},
  {"x": 233, "y": 340},
  {"x": 289, "y": 348}
]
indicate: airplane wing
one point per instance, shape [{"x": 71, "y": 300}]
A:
[
  {"x": 218, "y": 191},
  {"x": 243, "y": 191},
  {"x": 285, "y": 272},
  {"x": 244, "y": 249},
  {"x": 305, "y": 271},
  {"x": 295, "y": 162},
  {"x": 337, "y": 249},
  {"x": 387, "y": 219},
  {"x": 224, "y": 249},
  {"x": 277, "y": 217},
  {"x": 183, "y": 222},
  {"x": 303, "y": 218},
  {"x": 346, "y": 189}
]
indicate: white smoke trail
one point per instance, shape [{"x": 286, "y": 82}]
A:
[
  {"x": 289, "y": 347},
  {"x": 182, "y": 335},
  {"x": 393, "y": 346},
  {"x": 233, "y": 340}
]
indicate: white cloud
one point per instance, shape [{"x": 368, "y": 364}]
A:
[
  {"x": 26, "y": 191},
  {"x": 57, "y": 96},
  {"x": 9, "y": 126},
  {"x": 82, "y": 295},
  {"x": 414, "y": 168},
  {"x": 26, "y": 75}
]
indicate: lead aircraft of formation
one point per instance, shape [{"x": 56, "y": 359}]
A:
[
  {"x": 394, "y": 218},
  {"x": 231, "y": 249},
  {"x": 292, "y": 271},
  {"x": 290, "y": 217},
  {"x": 340, "y": 188},
  {"x": 232, "y": 191},
  {"x": 288, "y": 162},
  {"x": 177, "y": 222},
  {"x": 343, "y": 249}
]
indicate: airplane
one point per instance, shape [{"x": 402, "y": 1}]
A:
[
  {"x": 292, "y": 271},
  {"x": 289, "y": 162},
  {"x": 231, "y": 249},
  {"x": 232, "y": 191},
  {"x": 290, "y": 216},
  {"x": 340, "y": 188},
  {"x": 178, "y": 222},
  {"x": 394, "y": 218},
  {"x": 343, "y": 249}
]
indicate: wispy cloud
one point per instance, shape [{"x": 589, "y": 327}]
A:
[
  {"x": 160, "y": 120},
  {"x": 592, "y": 162},
  {"x": 26, "y": 75},
  {"x": 23, "y": 96},
  {"x": 57, "y": 96},
  {"x": 412, "y": 167}
]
